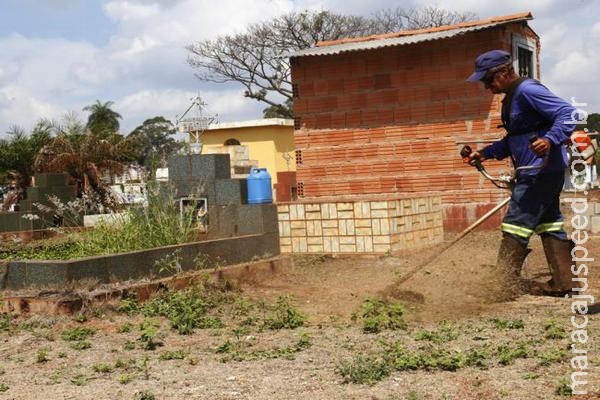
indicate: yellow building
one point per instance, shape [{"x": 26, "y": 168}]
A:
[{"x": 265, "y": 143}]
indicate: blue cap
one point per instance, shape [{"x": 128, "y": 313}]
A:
[{"x": 485, "y": 61}]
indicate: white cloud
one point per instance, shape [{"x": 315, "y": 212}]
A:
[
  {"x": 21, "y": 109},
  {"x": 143, "y": 69},
  {"x": 172, "y": 104},
  {"x": 44, "y": 65},
  {"x": 128, "y": 11},
  {"x": 575, "y": 68}
]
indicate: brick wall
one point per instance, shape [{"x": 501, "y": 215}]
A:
[
  {"x": 360, "y": 226},
  {"x": 387, "y": 121}
]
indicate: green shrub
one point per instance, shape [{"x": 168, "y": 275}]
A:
[
  {"x": 103, "y": 368},
  {"x": 144, "y": 395},
  {"x": 186, "y": 310},
  {"x": 149, "y": 334},
  {"x": 129, "y": 305},
  {"x": 500, "y": 323},
  {"x": 443, "y": 334},
  {"x": 5, "y": 320},
  {"x": 364, "y": 369},
  {"x": 508, "y": 353},
  {"x": 76, "y": 334},
  {"x": 563, "y": 388},
  {"x": 379, "y": 314},
  {"x": 551, "y": 356},
  {"x": 283, "y": 315},
  {"x": 553, "y": 330},
  {"x": 172, "y": 355}
]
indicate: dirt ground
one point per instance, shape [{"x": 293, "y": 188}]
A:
[{"x": 450, "y": 292}]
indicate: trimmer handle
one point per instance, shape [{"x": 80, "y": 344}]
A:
[{"x": 465, "y": 152}]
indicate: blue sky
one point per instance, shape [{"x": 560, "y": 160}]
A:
[
  {"x": 58, "y": 56},
  {"x": 56, "y": 19}
]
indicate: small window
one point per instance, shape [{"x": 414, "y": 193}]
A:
[
  {"x": 525, "y": 62},
  {"x": 232, "y": 142},
  {"x": 524, "y": 54}
]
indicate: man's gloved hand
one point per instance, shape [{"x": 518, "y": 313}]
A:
[
  {"x": 540, "y": 147},
  {"x": 474, "y": 157}
]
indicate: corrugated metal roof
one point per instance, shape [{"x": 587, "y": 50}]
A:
[{"x": 405, "y": 38}]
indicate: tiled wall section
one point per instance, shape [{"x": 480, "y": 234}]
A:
[{"x": 360, "y": 226}]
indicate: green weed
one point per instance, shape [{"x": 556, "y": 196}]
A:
[
  {"x": 283, "y": 315},
  {"x": 81, "y": 345},
  {"x": 129, "y": 305},
  {"x": 5, "y": 321},
  {"x": 129, "y": 345},
  {"x": 478, "y": 356},
  {"x": 149, "y": 334},
  {"x": 551, "y": 356},
  {"x": 125, "y": 364},
  {"x": 3, "y": 387},
  {"x": 103, "y": 368},
  {"x": 144, "y": 395},
  {"x": 237, "y": 351},
  {"x": 160, "y": 223},
  {"x": 364, "y": 369},
  {"x": 503, "y": 324},
  {"x": 530, "y": 376},
  {"x": 413, "y": 395},
  {"x": 379, "y": 314},
  {"x": 76, "y": 334},
  {"x": 125, "y": 328},
  {"x": 170, "y": 264},
  {"x": 206, "y": 261},
  {"x": 563, "y": 388},
  {"x": 394, "y": 356},
  {"x": 508, "y": 353},
  {"x": 42, "y": 356},
  {"x": 187, "y": 310},
  {"x": 172, "y": 355},
  {"x": 80, "y": 317},
  {"x": 79, "y": 380},
  {"x": 553, "y": 330},
  {"x": 443, "y": 334}
]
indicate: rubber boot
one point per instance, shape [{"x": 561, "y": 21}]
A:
[
  {"x": 511, "y": 256},
  {"x": 558, "y": 255}
]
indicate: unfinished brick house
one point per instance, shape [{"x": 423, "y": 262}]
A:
[{"x": 380, "y": 117}]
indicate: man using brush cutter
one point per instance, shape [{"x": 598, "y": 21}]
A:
[{"x": 536, "y": 124}]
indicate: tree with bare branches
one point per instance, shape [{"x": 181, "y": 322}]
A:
[{"x": 258, "y": 57}]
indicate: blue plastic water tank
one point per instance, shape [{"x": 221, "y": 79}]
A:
[{"x": 259, "y": 186}]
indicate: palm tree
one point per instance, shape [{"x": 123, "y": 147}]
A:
[
  {"x": 102, "y": 121},
  {"x": 17, "y": 154}
]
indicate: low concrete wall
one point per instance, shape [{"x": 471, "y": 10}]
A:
[
  {"x": 378, "y": 225},
  {"x": 138, "y": 264},
  {"x": 62, "y": 302},
  {"x": 588, "y": 213}
]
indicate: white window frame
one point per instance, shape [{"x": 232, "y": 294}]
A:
[{"x": 523, "y": 42}]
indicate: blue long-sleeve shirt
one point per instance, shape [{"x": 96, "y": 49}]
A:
[{"x": 535, "y": 110}]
